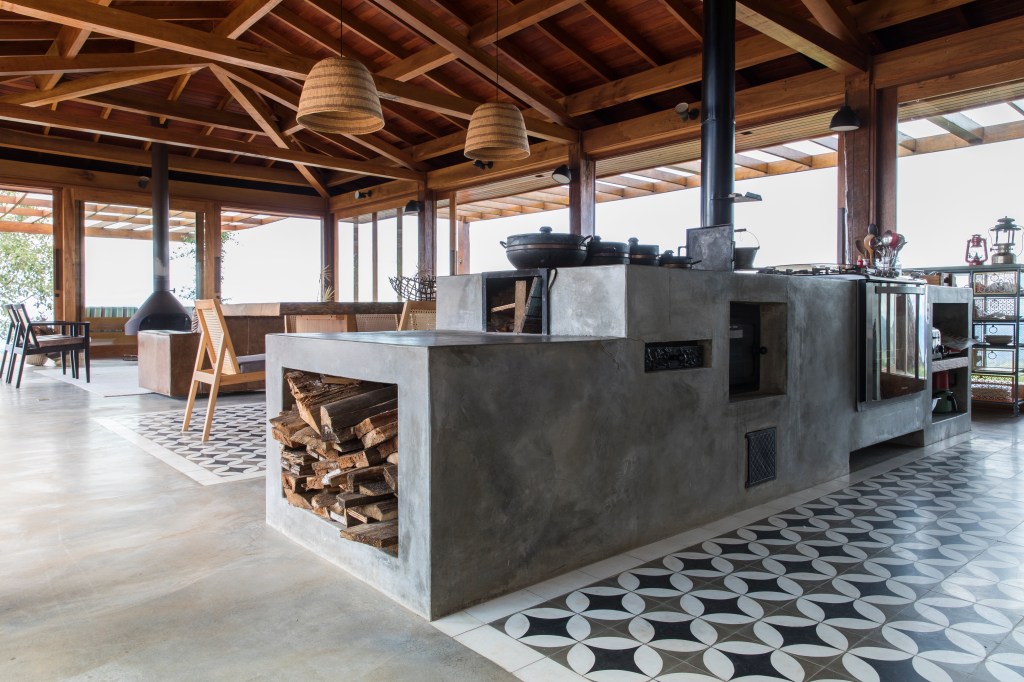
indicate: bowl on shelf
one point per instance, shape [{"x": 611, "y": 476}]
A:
[{"x": 999, "y": 339}]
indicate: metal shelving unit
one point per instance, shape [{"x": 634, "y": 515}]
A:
[{"x": 997, "y": 370}]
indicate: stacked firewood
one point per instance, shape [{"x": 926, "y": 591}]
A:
[{"x": 339, "y": 454}]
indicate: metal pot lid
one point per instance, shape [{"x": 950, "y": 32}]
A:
[
  {"x": 547, "y": 236},
  {"x": 638, "y": 249},
  {"x": 608, "y": 248}
]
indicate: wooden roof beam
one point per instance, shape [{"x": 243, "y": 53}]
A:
[
  {"x": 452, "y": 40},
  {"x": 960, "y": 125},
  {"x": 12, "y": 112},
  {"x": 687, "y": 17},
  {"x": 261, "y": 113},
  {"x": 158, "y": 106},
  {"x": 834, "y": 17},
  {"x": 85, "y": 63},
  {"x": 69, "y": 42},
  {"x": 873, "y": 15},
  {"x": 91, "y": 85},
  {"x": 804, "y": 37},
  {"x": 244, "y": 16}
]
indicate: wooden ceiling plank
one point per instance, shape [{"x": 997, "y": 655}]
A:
[
  {"x": 873, "y": 15},
  {"x": 813, "y": 41},
  {"x": 90, "y": 85},
  {"x": 425, "y": 23},
  {"x": 85, "y": 63},
  {"x": 263, "y": 116},
  {"x": 791, "y": 154},
  {"x": 625, "y": 32},
  {"x": 36, "y": 31},
  {"x": 69, "y": 42},
  {"x": 516, "y": 18},
  {"x": 13, "y": 112},
  {"x": 687, "y": 17}
]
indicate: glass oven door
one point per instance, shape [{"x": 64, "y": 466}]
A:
[{"x": 895, "y": 338}]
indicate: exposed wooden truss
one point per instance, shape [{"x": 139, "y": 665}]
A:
[{"x": 225, "y": 77}]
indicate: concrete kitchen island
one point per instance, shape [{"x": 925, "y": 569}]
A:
[{"x": 525, "y": 456}]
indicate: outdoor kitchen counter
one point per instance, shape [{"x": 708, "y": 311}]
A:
[{"x": 523, "y": 457}]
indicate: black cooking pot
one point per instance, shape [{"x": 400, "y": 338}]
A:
[
  {"x": 672, "y": 259},
  {"x": 607, "y": 253},
  {"x": 546, "y": 249},
  {"x": 643, "y": 254}
]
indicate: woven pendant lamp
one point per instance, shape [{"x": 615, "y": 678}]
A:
[
  {"x": 497, "y": 132},
  {"x": 339, "y": 97}
]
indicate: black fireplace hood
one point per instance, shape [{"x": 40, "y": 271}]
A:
[{"x": 161, "y": 310}]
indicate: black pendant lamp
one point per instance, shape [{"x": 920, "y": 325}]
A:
[{"x": 845, "y": 120}]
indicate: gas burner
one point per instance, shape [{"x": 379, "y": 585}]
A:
[{"x": 817, "y": 269}]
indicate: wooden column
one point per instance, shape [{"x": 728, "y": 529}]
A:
[
  {"x": 375, "y": 253},
  {"x": 463, "y": 248},
  {"x": 453, "y": 237},
  {"x": 328, "y": 255},
  {"x": 208, "y": 253},
  {"x": 582, "y": 193},
  {"x": 355, "y": 258},
  {"x": 867, "y": 167},
  {"x": 68, "y": 254},
  {"x": 427, "y": 261},
  {"x": 398, "y": 238}
]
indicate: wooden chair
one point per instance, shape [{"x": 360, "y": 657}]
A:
[
  {"x": 13, "y": 323},
  {"x": 376, "y": 322},
  {"x": 417, "y": 315},
  {"x": 66, "y": 337},
  {"x": 225, "y": 367}
]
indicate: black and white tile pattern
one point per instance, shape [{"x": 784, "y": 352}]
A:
[
  {"x": 916, "y": 573},
  {"x": 235, "y": 451}
]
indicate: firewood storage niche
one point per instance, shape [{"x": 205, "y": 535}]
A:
[{"x": 339, "y": 454}]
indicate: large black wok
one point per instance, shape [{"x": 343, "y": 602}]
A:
[{"x": 546, "y": 249}]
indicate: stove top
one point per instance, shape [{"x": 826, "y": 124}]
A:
[{"x": 834, "y": 270}]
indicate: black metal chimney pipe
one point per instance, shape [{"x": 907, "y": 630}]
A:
[
  {"x": 718, "y": 121},
  {"x": 161, "y": 219}
]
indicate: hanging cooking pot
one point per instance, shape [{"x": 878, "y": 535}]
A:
[
  {"x": 607, "y": 253},
  {"x": 546, "y": 249},
  {"x": 643, "y": 254},
  {"x": 675, "y": 259}
]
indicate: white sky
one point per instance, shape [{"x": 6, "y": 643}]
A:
[{"x": 943, "y": 198}]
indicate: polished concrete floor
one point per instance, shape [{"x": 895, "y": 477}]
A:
[{"x": 114, "y": 566}]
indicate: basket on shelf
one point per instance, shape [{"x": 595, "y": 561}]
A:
[{"x": 418, "y": 288}]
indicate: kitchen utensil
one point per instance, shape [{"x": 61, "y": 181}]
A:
[
  {"x": 643, "y": 254},
  {"x": 999, "y": 339},
  {"x": 607, "y": 253},
  {"x": 546, "y": 249},
  {"x": 675, "y": 259},
  {"x": 743, "y": 256}
]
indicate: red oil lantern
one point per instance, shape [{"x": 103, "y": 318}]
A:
[{"x": 977, "y": 250}]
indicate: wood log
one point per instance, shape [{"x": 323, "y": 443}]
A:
[
  {"x": 379, "y": 435},
  {"x": 385, "y": 510},
  {"x": 299, "y": 462},
  {"x": 387, "y": 447},
  {"x": 338, "y": 381},
  {"x": 374, "y": 488},
  {"x": 380, "y": 535},
  {"x": 311, "y": 394},
  {"x": 374, "y": 422},
  {"x": 393, "y": 458},
  {"x": 391, "y": 477},
  {"x": 348, "y": 445},
  {"x": 300, "y": 500},
  {"x": 295, "y": 483},
  {"x": 345, "y": 500},
  {"x": 357, "y": 514},
  {"x": 341, "y": 425},
  {"x": 303, "y": 436},
  {"x": 285, "y": 426},
  {"x": 357, "y": 477},
  {"x": 345, "y": 411},
  {"x": 338, "y": 518},
  {"x": 324, "y": 466},
  {"x": 323, "y": 501}
]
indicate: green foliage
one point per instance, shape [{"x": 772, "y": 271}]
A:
[
  {"x": 186, "y": 249},
  {"x": 26, "y": 273}
]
